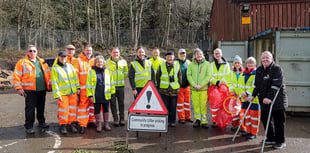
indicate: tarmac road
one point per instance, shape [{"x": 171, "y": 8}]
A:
[{"x": 182, "y": 138}]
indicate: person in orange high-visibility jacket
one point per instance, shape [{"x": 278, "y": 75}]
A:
[
  {"x": 246, "y": 88},
  {"x": 220, "y": 70},
  {"x": 235, "y": 75},
  {"x": 31, "y": 78},
  {"x": 86, "y": 110},
  {"x": 184, "y": 97},
  {"x": 66, "y": 86}
]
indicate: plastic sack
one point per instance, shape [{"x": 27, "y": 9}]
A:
[
  {"x": 223, "y": 119},
  {"x": 217, "y": 95},
  {"x": 232, "y": 105}
]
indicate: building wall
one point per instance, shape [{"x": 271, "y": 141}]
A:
[{"x": 226, "y": 18}]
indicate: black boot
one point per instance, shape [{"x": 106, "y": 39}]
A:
[
  {"x": 196, "y": 124},
  {"x": 82, "y": 130},
  {"x": 63, "y": 129},
  {"x": 72, "y": 128}
]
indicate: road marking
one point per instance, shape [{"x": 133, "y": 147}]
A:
[
  {"x": 10, "y": 144},
  {"x": 57, "y": 140}
]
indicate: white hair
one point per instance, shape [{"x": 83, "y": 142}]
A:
[
  {"x": 268, "y": 52},
  {"x": 251, "y": 59}
]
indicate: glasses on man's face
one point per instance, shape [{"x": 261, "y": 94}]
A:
[{"x": 32, "y": 51}]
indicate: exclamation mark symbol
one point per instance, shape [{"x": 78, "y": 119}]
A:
[{"x": 148, "y": 95}]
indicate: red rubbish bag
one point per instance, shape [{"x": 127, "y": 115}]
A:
[
  {"x": 231, "y": 108},
  {"x": 217, "y": 95}
]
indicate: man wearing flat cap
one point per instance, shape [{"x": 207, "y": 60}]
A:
[
  {"x": 66, "y": 86},
  {"x": 169, "y": 78}
]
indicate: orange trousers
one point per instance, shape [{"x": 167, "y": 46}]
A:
[
  {"x": 67, "y": 109},
  {"x": 213, "y": 111},
  {"x": 85, "y": 111},
  {"x": 236, "y": 121},
  {"x": 252, "y": 118},
  {"x": 183, "y": 105}
]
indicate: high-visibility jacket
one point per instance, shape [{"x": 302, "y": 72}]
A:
[
  {"x": 119, "y": 71},
  {"x": 24, "y": 76},
  {"x": 247, "y": 86},
  {"x": 199, "y": 74},
  {"x": 222, "y": 74},
  {"x": 164, "y": 78},
  {"x": 233, "y": 83},
  {"x": 91, "y": 83},
  {"x": 83, "y": 66},
  {"x": 142, "y": 75},
  {"x": 64, "y": 83},
  {"x": 156, "y": 63}
]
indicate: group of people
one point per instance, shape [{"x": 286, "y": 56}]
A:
[{"x": 87, "y": 85}]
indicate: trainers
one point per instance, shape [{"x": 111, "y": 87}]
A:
[
  {"x": 63, "y": 129},
  {"x": 205, "y": 126},
  {"x": 196, "y": 124},
  {"x": 182, "y": 121},
  {"x": 116, "y": 123},
  {"x": 279, "y": 145},
  {"x": 30, "y": 131},
  {"x": 122, "y": 123},
  {"x": 189, "y": 120},
  {"x": 244, "y": 134},
  {"x": 172, "y": 125},
  {"x": 269, "y": 142},
  {"x": 251, "y": 136},
  {"x": 43, "y": 125},
  {"x": 214, "y": 125}
]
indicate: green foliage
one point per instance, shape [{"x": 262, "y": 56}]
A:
[{"x": 122, "y": 149}]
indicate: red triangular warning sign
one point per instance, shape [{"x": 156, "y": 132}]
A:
[{"x": 148, "y": 101}]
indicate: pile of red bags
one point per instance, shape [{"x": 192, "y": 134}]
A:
[{"x": 229, "y": 105}]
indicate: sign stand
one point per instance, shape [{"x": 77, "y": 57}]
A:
[{"x": 148, "y": 113}]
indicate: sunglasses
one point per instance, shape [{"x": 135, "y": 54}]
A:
[{"x": 32, "y": 51}]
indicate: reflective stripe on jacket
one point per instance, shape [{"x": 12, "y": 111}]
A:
[
  {"x": 83, "y": 66},
  {"x": 223, "y": 74},
  {"x": 91, "y": 83},
  {"x": 233, "y": 81},
  {"x": 64, "y": 83},
  {"x": 164, "y": 78},
  {"x": 24, "y": 76},
  {"x": 119, "y": 71},
  {"x": 142, "y": 75}
]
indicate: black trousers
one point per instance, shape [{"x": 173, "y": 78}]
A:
[
  {"x": 119, "y": 95},
  {"x": 171, "y": 105},
  {"x": 34, "y": 100},
  {"x": 105, "y": 107},
  {"x": 276, "y": 131}
]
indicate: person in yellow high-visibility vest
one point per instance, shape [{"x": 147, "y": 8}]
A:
[
  {"x": 140, "y": 72},
  {"x": 66, "y": 86},
  {"x": 169, "y": 78},
  {"x": 220, "y": 70},
  {"x": 198, "y": 76},
  {"x": 118, "y": 66},
  {"x": 156, "y": 59}
]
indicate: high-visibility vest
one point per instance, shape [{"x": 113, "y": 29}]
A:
[
  {"x": 234, "y": 85},
  {"x": 91, "y": 83},
  {"x": 156, "y": 63},
  {"x": 164, "y": 78},
  {"x": 64, "y": 83},
  {"x": 247, "y": 87},
  {"x": 24, "y": 76},
  {"x": 119, "y": 71},
  {"x": 82, "y": 66},
  {"x": 223, "y": 74},
  {"x": 142, "y": 75},
  {"x": 70, "y": 59}
]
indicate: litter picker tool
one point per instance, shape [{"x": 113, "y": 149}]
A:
[
  {"x": 233, "y": 139},
  {"x": 269, "y": 115}
]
